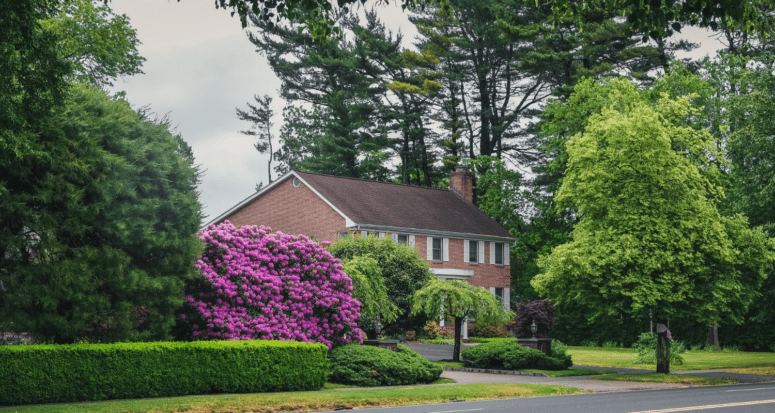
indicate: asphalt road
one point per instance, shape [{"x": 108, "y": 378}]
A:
[{"x": 751, "y": 398}]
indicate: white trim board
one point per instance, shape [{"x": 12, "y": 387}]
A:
[
  {"x": 433, "y": 233},
  {"x": 452, "y": 273}
]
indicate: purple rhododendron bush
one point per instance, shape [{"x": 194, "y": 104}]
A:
[{"x": 258, "y": 285}]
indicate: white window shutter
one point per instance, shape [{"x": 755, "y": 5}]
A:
[
  {"x": 364, "y": 233},
  {"x": 430, "y": 248},
  {"x": 466, "y": 250},
  {"x": 507, "y": 299},
  {"x": 445, "y": 249},
  {"x": 395, "y": 238},
  {"x": 381, "y": 235},
  {"x": 492, "y": 253},
  {"x": 506, "y": 253},
  {"x": 411, "y": 240},
  {"x": 492, "y": 290},
  {"x": 481, "y": 252}
]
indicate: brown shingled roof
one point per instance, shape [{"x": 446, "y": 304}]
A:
[{"x": 404, "y": 206}]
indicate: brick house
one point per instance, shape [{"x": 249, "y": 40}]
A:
[{"x": 457, "y": 239}]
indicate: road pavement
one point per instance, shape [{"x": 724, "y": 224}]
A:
[{"x": 750, "y": 398}]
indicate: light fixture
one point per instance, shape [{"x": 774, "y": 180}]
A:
[{"x": 534, "y": 328}]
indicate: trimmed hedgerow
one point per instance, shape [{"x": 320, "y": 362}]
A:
[
  {"x": 88, "y": 372},
  {"x": 510, "y": 355},
  {"x": 370, "y": 366}
]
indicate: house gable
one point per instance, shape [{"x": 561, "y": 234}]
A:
[{"x": 289, "y": 209}]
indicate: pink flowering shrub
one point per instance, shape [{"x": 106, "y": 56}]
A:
[{"x": 257, "y": 285}]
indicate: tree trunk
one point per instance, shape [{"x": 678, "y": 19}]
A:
[
  {"x": 713, "y": 335},
  {"x": 458, "y": 335},
  {"x": 663, "y": 348}
]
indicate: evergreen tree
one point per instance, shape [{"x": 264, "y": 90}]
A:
[
  {"x": 322, "y": 76},
  {"x": 114, "y": 236},
  {"x": 405, "y": 103},
  {"x": 261, "y": 117}
]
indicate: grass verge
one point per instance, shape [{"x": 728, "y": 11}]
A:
[
  {"x": 665, "y": 378},
  {"x": 307, "y": 401},
  {"x": 571, "y": 372},
  {"x": 450, "y": 363},
  {"x": 754, "y": 370},
  {"x": 693, "y": 360}
]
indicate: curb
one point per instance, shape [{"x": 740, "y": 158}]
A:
[{"x": 495, "y": 371}]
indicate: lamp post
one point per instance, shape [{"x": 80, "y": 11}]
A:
[{"x": 534, "y": 328}]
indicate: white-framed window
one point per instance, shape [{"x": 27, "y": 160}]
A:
[
  {"x": 473, "y": 251},
  {"x": 499, "y": 293},
  {"x": 407, "y": 239},
  {"x": 504, "y": 295},
  {"x": 438, "y": 248},
  {"x": 344, "y": 234},
  {"x": 499, "y": 253}
]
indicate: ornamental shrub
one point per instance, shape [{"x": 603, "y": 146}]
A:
[
  {"x": 90, "y": 372},
  {"x": 509, "y": 354},
  {"x": 540, "y": 311},
  {"x": 403, "y": 271},
  {"x": 646, "y": 346},
  {"x": 370, "y": 366},
  {"x": 492, "y": 330},
  {"x": 257, "y": 285}
]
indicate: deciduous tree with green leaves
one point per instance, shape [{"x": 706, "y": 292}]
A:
[
  {"x": 459, "y": 300},
  {"x": 369, "y": 289},
  {"x": 101, "y": 44},
  {"x": 650, "y": 235},
  {"x": 403, "y": 272}
]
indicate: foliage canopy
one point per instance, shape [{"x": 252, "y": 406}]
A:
[
  {"x": 403, "y": 273},
  {"x": 650, "y": 236}
]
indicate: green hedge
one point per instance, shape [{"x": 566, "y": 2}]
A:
[
  {"x": 509, "y": 354},
  {"x": 88, "y": 372},
  {"x": 370, "y": 366}
]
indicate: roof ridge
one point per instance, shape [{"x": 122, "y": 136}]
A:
[{"x": 371, "y": 180}]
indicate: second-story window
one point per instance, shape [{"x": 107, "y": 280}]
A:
[
  {"x": 473, "y": 251},
  {"x": 499, "y": 253},
  {"x": 437, "y": 253}
]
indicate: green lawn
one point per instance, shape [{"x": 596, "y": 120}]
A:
[
  {"x": 770, "y": 370},
  {"x": 693, "y": 360},
  {"x": 306, "y": 401},
  {"x": 665, "y": 378}
]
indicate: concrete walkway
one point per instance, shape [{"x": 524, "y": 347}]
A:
[{"x": 436, "y": 352}]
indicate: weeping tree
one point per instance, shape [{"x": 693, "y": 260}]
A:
[
  {"x": 369, "y": 289},
  {"x": 459, "y": 300},
  {"x": 650, "y": 236}
]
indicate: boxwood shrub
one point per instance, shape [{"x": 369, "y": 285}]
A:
[
  {"x": 89, "y": 372},
  {"x": 510, "y": 355},
  {"x": 370, "y": 366}
]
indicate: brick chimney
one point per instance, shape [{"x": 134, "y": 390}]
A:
[{"x": 461, "y": 180}]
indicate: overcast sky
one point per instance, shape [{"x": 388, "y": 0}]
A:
[{"x": 200, "y": 67}]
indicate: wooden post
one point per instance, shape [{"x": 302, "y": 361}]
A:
[{"x": 663, "y": 348}]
